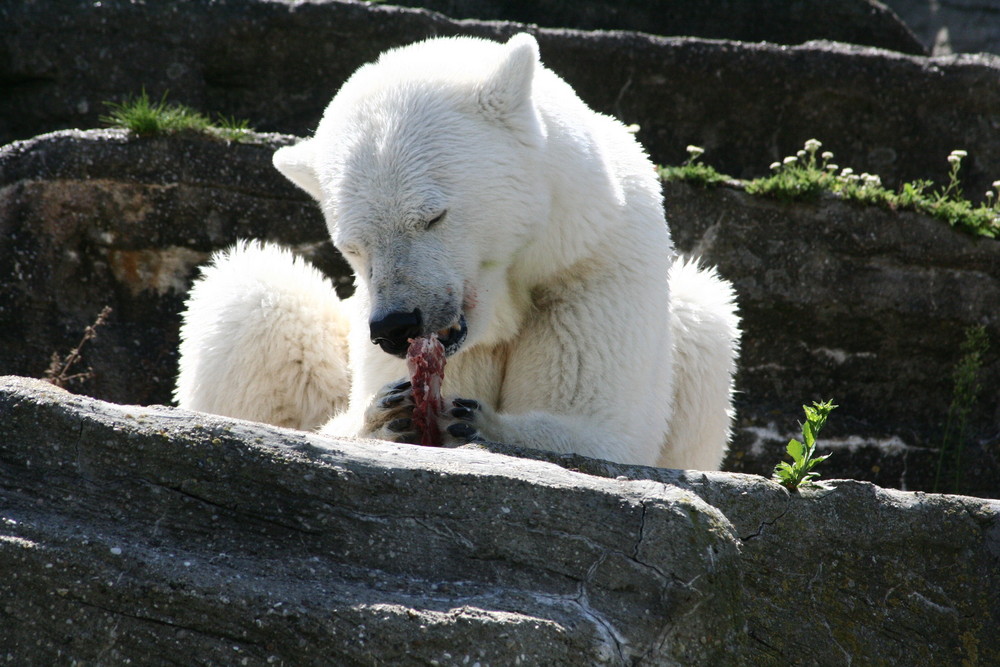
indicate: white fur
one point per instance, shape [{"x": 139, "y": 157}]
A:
[
  {"x": 706, "y": 343},
  {"x": 553, "y": 247},
  {"x": 264, "y": 338}
]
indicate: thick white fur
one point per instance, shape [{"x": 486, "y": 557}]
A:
[
  {"x": 585, "y": 332},
  {"x": 264, "y": 338}
]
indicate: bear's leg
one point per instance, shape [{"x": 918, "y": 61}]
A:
[
  {"x": 264, "y": 337},
  {"x": 706, "y": 339}
]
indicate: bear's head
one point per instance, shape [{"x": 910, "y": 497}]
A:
[{"x": 427, "y": 167}]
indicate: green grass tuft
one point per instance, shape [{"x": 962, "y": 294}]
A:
[
  {"x": 146, "y": 117},
  {"x": 693, "y": 171},
  {"x": 231, "y": 128}
]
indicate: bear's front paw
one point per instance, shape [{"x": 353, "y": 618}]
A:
[
  {"x": 390, "y": 415},
  {"x": 463, "y": 421}
]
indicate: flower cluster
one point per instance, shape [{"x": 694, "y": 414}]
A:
[
  {"x": 822, "y": 168},
  {"x": 810, "y": 174}
]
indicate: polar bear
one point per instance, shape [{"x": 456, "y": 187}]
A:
[{"x": 475, "y": 196}]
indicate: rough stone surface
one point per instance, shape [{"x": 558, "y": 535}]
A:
[
  {"x": 861, "y": 305},
  {"x": 154, "y": 531},
  {"x": 853, "y": 21},
  {"x": 952, "y": 26},
  {"x": 98, "y": 218},
  {"x": 747, "y": 104},
  {"x": 849, "y": 573}
]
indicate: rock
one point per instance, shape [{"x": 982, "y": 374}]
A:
[
  {"x": 146, "y": 530},
  {"x": 99, "y": 218},
  {"x": 858, "y": 304},
  {"x": 747, "y": 104},
  {"x": 154, "y": 531},
  {"x": 862, "y": 22},
  {"x": 952, "y": 26}
]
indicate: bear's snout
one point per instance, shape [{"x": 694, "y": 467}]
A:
[{"x": 393, "y": 331}]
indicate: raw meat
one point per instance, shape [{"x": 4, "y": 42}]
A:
[{"x": 425, "y": 361}]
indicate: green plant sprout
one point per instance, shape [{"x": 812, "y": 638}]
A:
[
  {"x": 964, "y": 397},
  {"x": 693, "y": 170},
  {"x": 146, "y": 117},
  {"x": 800, "y": 471}
]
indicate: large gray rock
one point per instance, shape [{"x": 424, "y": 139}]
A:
[
  {"x": 129, "y": 532},
  {"x": 861, "y": 305},
  {"x": 863, "y": 22},
  {"x": 150, "y": 531},
  {"x": 277, "y": 64}
]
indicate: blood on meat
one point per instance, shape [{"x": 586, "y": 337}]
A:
[{"x": 425, "y": 361}]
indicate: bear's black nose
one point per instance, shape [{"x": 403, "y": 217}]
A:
[{"x": 393, "y": 331}]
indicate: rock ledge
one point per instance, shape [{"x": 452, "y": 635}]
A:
[{"x": 219, "y": 541}]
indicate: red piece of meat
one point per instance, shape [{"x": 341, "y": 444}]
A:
[{"x": 425, "y": 361}]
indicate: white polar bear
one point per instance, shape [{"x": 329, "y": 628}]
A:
[{"x": 476, "y": 196}]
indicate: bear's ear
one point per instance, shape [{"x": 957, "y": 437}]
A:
[
  {"x": 297, "y": 163},
  {"x": 506, "y": 93}
]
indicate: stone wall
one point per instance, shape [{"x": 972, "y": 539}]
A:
[
  {"x": 864, "y": 22},
  {"x": 748, "y": 104},
  {"x": 863, "y": 305},
  {"x": 859, "y": 304}
]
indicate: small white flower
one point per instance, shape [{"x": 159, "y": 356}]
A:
[
  {"x": 832, "y": 167},
  {"x": 695, "y": 151},
  {"x": 791, "y": 159},
  {"x": 847, "y": 171},
  {"x": 996, "y": 184},
  {"x": 632, "y": 129},
  {"x": 954, "y": 160},
  {"x": 775, "y": 166},
  {"x": 827, "y": 155},
  {"x": 959, "y": 154},
  {"x": 800, "y": 154},
  {"x": 813, "y": 145}
]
